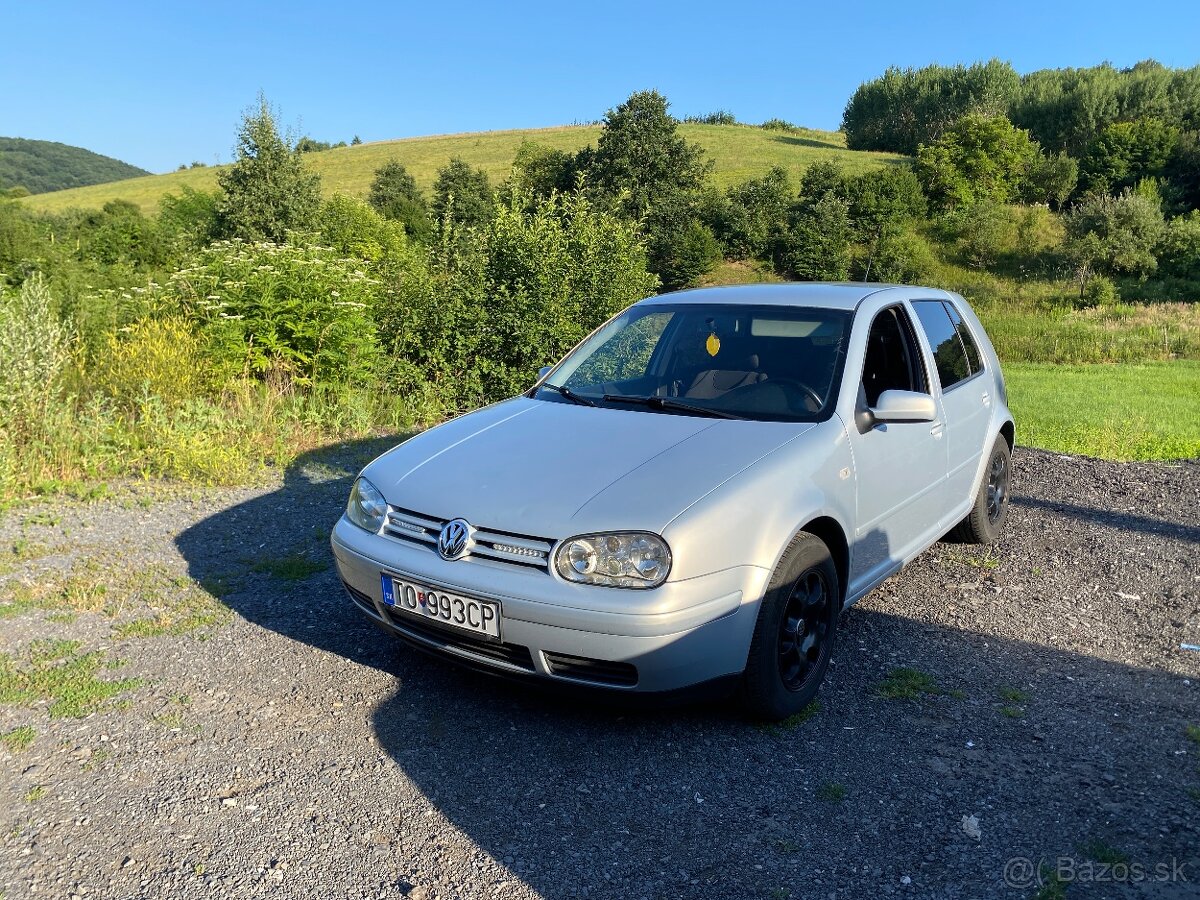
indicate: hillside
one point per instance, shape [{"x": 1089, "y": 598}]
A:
[
  {"x": 739, "y": 152},
  {"x": 44, "y": 166}
]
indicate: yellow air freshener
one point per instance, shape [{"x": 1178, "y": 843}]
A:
[{"x": 713, "y": 344}]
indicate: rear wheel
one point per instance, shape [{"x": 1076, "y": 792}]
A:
[
  {"x": 982, "y": 525},
  {"x": 794, "y": 635}
]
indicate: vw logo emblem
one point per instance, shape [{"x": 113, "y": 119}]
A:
[{"x": 455, "y": 542}]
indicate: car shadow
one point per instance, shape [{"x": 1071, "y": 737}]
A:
[{"x": 921, "y": 725}]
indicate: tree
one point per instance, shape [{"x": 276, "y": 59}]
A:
[
  {"x": 267, "y": 191},
  {"x": 756, "y": 214},
  {"x": 1124, "y": 153},
  {"x": 1182, "y": 172},
  {"x": 1115, "y": 235},
  {"x": 394, "y": 195},
  {"x": 905, "y": 108},
  {"x": 817, "y": 244},
  {"x": 640, "y": 158},
  {"x": 978, "y": 158},
  {"x": 682, "y": 249},
  {"x": 462, "y": 197},
  {"x": 539, "y": 171},
  {"x": 1051, "y": 179}
]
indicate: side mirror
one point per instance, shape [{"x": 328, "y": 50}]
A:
[
  {"x": 543, "y": 372},
  {"x": 904, "y": 406}
]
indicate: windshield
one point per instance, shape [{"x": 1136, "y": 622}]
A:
[{"x": 750, "y": 362}]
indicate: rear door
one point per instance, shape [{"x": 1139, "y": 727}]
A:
[{"x": 965, "y": 394}]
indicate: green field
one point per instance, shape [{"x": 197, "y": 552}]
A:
[
  {"x": 739, "y": 152},
  {"x": 1122, "y": 412}
]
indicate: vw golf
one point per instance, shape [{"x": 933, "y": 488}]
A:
[{"x": 690, "y": 498}]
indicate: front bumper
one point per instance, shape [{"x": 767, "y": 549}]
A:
[{"x": 678, "y": 635}]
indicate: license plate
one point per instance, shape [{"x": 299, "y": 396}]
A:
[{"x": 477, "y": 616}]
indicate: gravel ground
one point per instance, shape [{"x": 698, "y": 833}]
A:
[{"x": 290, "y": 749}]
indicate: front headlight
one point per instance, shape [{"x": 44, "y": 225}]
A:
[
  {"x": 635, "y": 559},
  {"x": 367, "y": 508}
]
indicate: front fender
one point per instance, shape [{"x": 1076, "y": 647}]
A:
[{"x": 751, "y": 519}]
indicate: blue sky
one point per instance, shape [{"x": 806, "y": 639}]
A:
[{"x": 165, "y": 83}]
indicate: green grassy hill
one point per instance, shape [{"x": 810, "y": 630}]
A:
[
  {"x": 739, "y": 152},
  {"x": 40, "y": 166}
]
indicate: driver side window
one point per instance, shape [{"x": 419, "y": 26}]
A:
[{"x": 893, "y": 361}]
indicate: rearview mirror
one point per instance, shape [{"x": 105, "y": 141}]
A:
[{"x": 904, "y": 406}]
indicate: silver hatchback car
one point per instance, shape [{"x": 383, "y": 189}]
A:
[{"x": 691, "y": 496}]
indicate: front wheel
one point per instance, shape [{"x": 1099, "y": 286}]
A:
[
  {"x": 794, "y": 634},
  {"x": 983, "y": 523}
]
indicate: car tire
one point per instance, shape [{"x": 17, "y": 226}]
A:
[
  {"x": 982, "y": 525},
  {"x": 800, "y": 607}
]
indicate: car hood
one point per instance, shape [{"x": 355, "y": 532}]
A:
[{"x": 552, "y": 469}]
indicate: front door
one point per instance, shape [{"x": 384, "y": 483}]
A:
[{"x": 900, "y": 466}]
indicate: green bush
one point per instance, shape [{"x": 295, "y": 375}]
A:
[
  {"x": 1099, "y": 291},
  {"x": 394, "y": 194},
  {"x": 513, "y": 296},
  {"x": 1179, "y": 250},
  {"x": 292, "y": 314},
  {"x": 353, "y": 229},
  {"x": 159, "y": 358}
]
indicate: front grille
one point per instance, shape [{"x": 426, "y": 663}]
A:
[
  {"x": 601, "y": 670},
  {"x": 513, "y": 654},
  {"x": 503, "y": 546}
]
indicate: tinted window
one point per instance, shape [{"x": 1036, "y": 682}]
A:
[
  {"x": 948, "y": 353},
  {"x": 964, "y": 335},
  {"x": 892, "y": 360}
]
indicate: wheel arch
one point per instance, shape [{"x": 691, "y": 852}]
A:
[
  {"x": 830, "y": 532},
  {"x": 1009, "y": 430}
]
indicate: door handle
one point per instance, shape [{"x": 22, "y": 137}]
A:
[
  {"x": 937, "y": 428},
  {"x": 987, "y": 399}
]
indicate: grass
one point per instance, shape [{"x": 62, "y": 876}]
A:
[
  {"x": 293, "y": 567},
  {"x": 35, "y": 793},
  {"x": 831, "y": 792},
  {"x": 792, "y": 722},
  {"x": 185, "y": 609},
  {"x": 1120, "y": 412},
  {"x": 906, "y": 684},
  {"x": 55, "y": 671},
  {"x": 19, "y": 738},
  {"x": 1102, "y": 852},
  {"x": 1193, "y": 733},
  {"x": 1053, "y": 885},
  {"x": 739, "y": 152}
]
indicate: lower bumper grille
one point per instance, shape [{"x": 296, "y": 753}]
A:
[
  {"x": 600, "y": 670},
  {"x": 513, "y": 654},
  {"x": 361, "y": 600}
]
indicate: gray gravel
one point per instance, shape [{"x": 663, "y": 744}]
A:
[{"x": 295, "y": 751}]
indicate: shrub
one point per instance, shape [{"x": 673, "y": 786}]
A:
[
  {"x": 294, "y": 314},
  {"x": 515, "y": 295},
  {"x": 159, "y": 358},
  {"x": 1100, "y": 291},
  {"x": 353, "y": 229},
  {"x": 777, "y": 125},
  {"x": 189, "y": 219},
  {"x": 720, "y": 117},
  {"x": 817, "y": 245},
  {"x": 981, "y": 231},
  {"x": 756, "y": 214},
  {"x": 901, "y": 258},
  {"x": 34, "y": 355},
  {"x": 1116, "y": 235},
  {"x": 1179, "y": 251},
  {"x": 978, "y": 158}
]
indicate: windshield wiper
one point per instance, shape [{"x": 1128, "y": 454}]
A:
[
  {"x": 570, "y": 394},
  {"x": 669, "y": 403}
]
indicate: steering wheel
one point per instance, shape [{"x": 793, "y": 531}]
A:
[{"x": 810, "y": 394}]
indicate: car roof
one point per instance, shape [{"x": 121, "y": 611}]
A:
[{"x": 823, "y": 295}]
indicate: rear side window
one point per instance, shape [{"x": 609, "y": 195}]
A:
[
  {"x": 964, "y": 334},
  {"x": 948, "y": 353}
]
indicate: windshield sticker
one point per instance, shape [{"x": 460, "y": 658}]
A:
[{"x": 713, "y": 344}]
